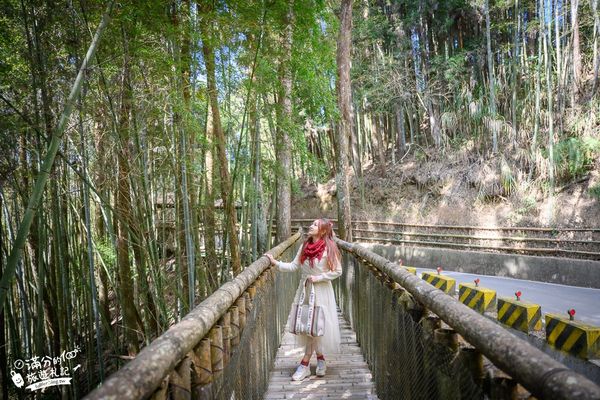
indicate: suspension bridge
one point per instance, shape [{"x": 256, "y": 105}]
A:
[{"x": 404, "y": 336}]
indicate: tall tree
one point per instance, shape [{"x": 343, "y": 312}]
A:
[
  {"x": 492, "y": 84},
  {"x": 283, "y": 143},
  {"x": 576, "y": 49},
  {"x": 124, "y": 210},
  {"x": 345, "y": 127},
  {"x": 227, "y": 195}
]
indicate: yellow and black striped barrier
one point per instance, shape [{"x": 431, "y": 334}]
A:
[
  {"x": 478, "y": 298},
  {"x": 441, "y": 282},
  {"x": 412, "y": 270},
  {"x": 519, "y": 315},
  {"x": 573, "y": 337}
]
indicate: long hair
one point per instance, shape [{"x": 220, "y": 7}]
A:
[{"x": 325, "y": 231}]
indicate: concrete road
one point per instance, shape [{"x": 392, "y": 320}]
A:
[{"x": 552, "y": 297}]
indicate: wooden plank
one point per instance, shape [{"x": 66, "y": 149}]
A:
[{"x": 348, "y": 375}]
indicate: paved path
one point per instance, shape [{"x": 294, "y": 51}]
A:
[
  {"x": 553, "y": 298},
  {"x": 348, "y": 375}
]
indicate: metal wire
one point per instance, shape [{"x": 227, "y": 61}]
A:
[{"x": 405, "y": 360}]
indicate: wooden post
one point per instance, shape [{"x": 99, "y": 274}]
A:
[
  {"x": 473, "y": 361},
  {"x": 202, "y": 371},
  {"x": 225, "y": 322},
  {"x": 248, "y": 301},
  {"x": 216, "y": 351},
  {"x": 446, "y": 337},
  {"x": 161, "y": 392},
  {"x": 180, "y": 382},
  {"x": 430, "y": 324},
  {"x": 235, "y": 326},
  {"x": 241, "y": 305},
  {"x": 503, "y": 388}
]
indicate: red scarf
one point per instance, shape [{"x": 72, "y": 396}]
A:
[{"x": 313, "y": 250}]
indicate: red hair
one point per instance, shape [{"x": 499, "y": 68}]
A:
[{"x": 325, "y": 232}]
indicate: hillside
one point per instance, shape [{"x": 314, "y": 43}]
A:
[{"x": 456, "y": 190}]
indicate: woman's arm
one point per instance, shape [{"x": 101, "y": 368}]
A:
[
  {"x": 287, "y": 267},
  {"x": 329, "y": 275}
]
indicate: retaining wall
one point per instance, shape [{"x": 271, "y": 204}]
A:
[{"x": 566, "y": 271}]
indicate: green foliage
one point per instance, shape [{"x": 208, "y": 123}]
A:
[
  {"x": 506, "y": 177},
  {"x": 575, "y": 156},
  {"x": 595, "y": 192},
  {"x": 107, "y": 252}
]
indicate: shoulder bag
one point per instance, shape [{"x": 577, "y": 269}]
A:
[{"x": 310, "y": 318}]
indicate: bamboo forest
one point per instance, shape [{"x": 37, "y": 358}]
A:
[{"x": 152, "y": 150}]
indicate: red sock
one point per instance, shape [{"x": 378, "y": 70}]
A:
[
  {"x": 305, "y": 363},
  {"x": 321, "y": 357}
]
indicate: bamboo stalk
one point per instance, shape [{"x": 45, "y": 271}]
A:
[{"x": 40, "y": 183}]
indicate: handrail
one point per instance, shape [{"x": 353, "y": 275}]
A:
[
  {"x": 476, "y": 228},
  {"x": 477, "y": 246},
  {"x": 475, "y": 237},
  {"x": 141, "y": 376},
  {"x": 543, "y": 376}
]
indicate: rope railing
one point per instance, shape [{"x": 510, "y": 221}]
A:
[
  {"x": 397, "y": 319},
  {"x": 224, "y": 347}
]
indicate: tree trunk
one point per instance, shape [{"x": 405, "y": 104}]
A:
[
  {"x": 226, "y": 188},
  {"x": 210, "y": 257},
  {"x": 576, "y": 49},
  {"x": 596, "y": 56},
  {"x": 123, "y": 209},
  {"x": 378, "y": 139},
  {"x": 283, "y": 146},
  {"x": 401, "y": 128},
  {"x": 345, "y": 127},
  {"x": 492, "y": 91},
  {"x": 548, "y": 62}
]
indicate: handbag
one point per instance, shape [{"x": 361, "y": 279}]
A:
[{"x": 310, "y": 318}]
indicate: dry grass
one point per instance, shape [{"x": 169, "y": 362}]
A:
[{"x": 459, "y": 190}]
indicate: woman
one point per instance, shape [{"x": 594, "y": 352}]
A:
[{"x": 319, "y": 260}]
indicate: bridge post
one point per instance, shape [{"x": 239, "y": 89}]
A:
[
  {"x": 241, "y": 305},
  {"x": 225, "y": 322},
  {"x": 235, "y": 327},
  {"x": 202, "y": 372},
  {"x": 473, "y": 361},
  {"x": 447, "y": 339},
  {"x": 180, "y": 381},
  {"x": 216, "y": 352},
  {"x": 503, "y": 388}
]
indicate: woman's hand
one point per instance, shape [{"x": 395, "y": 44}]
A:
[
  {"x": 271, "y": 258},
  {"x": 311, "y": 278}
]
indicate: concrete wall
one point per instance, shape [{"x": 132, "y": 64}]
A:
[{"x": 584, "y": 273}]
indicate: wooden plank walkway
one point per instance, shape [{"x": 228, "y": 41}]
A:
[{"x": 348, "y": 375}]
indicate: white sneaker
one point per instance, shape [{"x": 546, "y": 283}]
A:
[
  {"x": 301, "y": 373},
  {"x": 321, "y": 367}
]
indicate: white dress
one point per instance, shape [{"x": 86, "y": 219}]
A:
[{"x": 324, "y": 297}]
